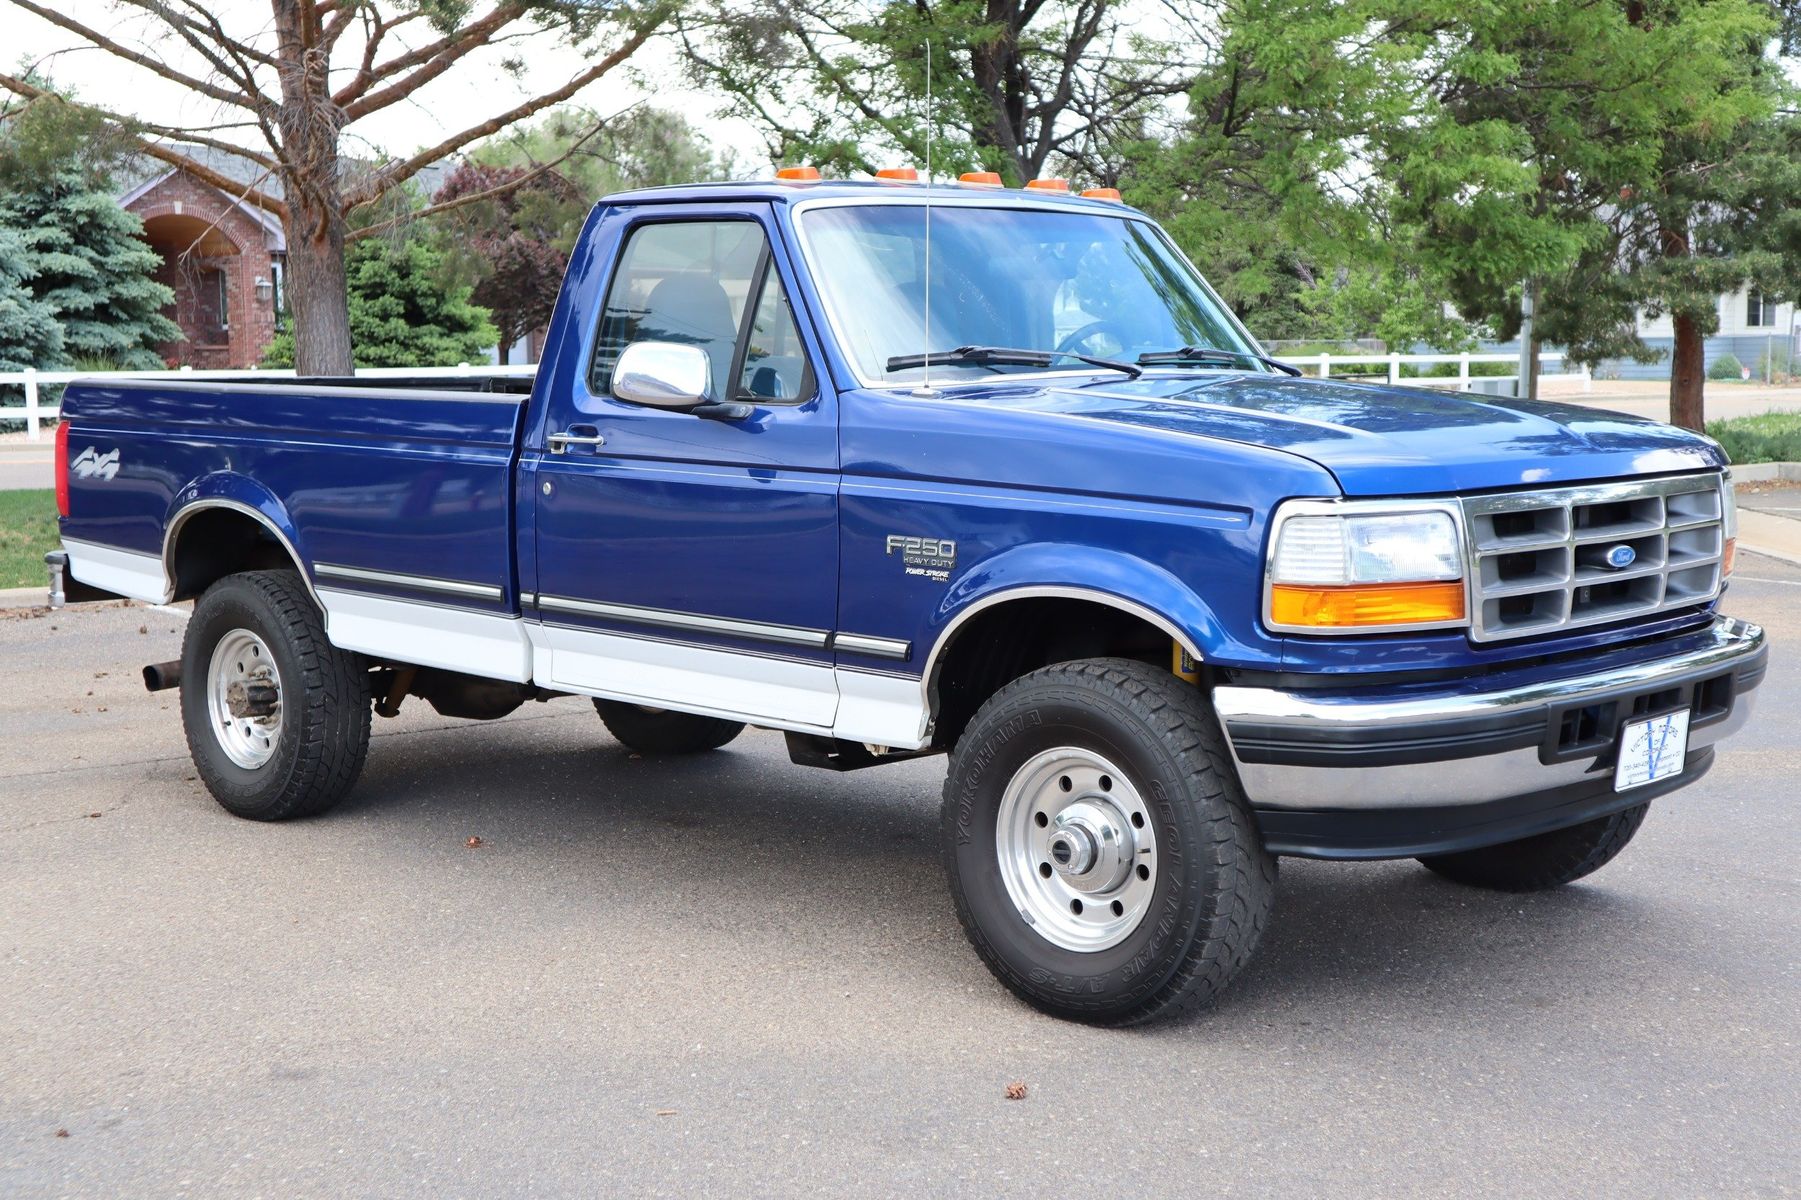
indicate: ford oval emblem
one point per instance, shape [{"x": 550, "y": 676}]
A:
[{"x": 1621, "y": 557}]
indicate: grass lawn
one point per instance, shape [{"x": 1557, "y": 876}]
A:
[
  {"x": 27, "y": 533},
  {"x": 1766, "y": 437}
]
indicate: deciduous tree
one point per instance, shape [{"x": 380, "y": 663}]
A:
[
  {"x": 307, "y": 77},
  {"x": 512, "y": 243},
  {"x": 1016, "y": 83}
]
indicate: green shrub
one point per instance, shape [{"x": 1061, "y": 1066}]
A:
[
  {"x": 1727, "y": 366},
  {"x": 1766, "y": 437}
]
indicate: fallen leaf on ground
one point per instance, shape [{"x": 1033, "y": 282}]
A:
[
  {"x": 94, "y": 814},
  {"x": 62, "y": 1133},
  {"x": 473, "y": 842},
  {"x": 1016, "y": 1091},
  {"x": 143, "y": 629}
]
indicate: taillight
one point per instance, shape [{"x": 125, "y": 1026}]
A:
[{"x": 62, "y": 467}]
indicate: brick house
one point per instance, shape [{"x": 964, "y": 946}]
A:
[{"x": 223, "y": 257}]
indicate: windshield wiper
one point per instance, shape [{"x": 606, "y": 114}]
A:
[
  {"x": 1186, "y": 354},
  {"x": 1004, "y": 356}
]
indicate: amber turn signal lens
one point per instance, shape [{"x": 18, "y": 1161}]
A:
[
  {"x": 981, "y": 178},
  {"x": 1048, "y": 185},
  {"x": 902, "y": 174},
  {"x": 1101, "y": 193},
  {"x": 799, "y": 174},
  {"x": 1728, "y": 557},
  {"x": 1365, "y": 604}
]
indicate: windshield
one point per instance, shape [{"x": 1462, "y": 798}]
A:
[{"x": 1026, "y": 279}]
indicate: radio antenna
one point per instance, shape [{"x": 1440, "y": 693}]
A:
[{"x": 925, "y": 384}]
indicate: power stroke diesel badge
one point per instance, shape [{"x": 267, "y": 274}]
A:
[{"x": 929, "y": 558}]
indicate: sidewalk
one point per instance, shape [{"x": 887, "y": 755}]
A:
[
  {"x": 26, "y": 464},
  {"x": 1769, "y": 520}
]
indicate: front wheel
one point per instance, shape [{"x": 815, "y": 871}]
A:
[
  {"x": 1104, "y": 862},
  {"x": 1544, "y": 861},
  {"x": 277, "y": 717}
]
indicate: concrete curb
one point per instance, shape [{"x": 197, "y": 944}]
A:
[
  {"x": 25, "y": 597},
  {"x": 1776, "y": 472}
]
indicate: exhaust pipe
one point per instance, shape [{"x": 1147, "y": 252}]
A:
[{"x": 160, "y": 677}]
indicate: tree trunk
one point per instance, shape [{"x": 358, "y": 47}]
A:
[
  {"x": 1688, "y": 361},
  {"x": 317, "y": 292},
  {"x": 310, "y": 122},
  {"x": 1687, "y": 373}
]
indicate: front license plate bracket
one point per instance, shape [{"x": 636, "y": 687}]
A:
[{"x": 1651, "y": 750}]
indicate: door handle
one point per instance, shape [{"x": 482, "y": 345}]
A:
[{"x": 575, "y": 435}]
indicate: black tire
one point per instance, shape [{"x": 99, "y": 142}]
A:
[
  {"x": 323, "y": 733},
  {"x": 1544, "y": 861},
  {"x": 662, "y": 731},
  {"x": 1212, "y": 893}
]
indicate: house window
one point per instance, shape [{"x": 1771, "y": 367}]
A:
[
  {"x": 1758, "y": 311},
  {"x": 278, "y": 275}
]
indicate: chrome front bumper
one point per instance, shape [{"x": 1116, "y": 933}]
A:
[{"x": 1438, "y": 746}]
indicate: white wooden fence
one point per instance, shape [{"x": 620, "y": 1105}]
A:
[
  {"x": 36, "y": 412},
  {"x": 1324, "y": 364}
]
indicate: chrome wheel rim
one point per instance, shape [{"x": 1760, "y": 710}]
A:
[
  {"x": 243, "y": 698},
  {"x": 1077, "y": 849}
]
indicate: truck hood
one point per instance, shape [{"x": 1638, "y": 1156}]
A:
[{"x": 1382, "y": 441}]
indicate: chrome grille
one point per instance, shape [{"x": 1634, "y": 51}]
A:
[{"x": 1540, "y": 560}]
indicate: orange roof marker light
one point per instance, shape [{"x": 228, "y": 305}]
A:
[
  {"x": 1048, "y": 185},
  {"x": 981, "y": 178},
  {"x": 1103, "y": 194},
  {"x": 798, "y": 174},
  {"x": 899, "y": 174}
]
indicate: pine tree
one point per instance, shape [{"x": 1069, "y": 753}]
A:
[
  {"x": 402, "y": 314},
  {"x": 90, "y": 266},
  {"x": 29, "y": 334}
]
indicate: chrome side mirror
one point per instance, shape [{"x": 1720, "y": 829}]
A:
[{"x": 663, "y": 375}]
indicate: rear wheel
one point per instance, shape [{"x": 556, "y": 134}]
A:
[
  {"x": 662, "y": 731},
  {"x": 277, "y": 718},
  {"x": 1103, "y": 860},
  {"x": 1546, "y": 860}
]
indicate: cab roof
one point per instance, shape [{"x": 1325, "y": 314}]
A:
[{"x": 775, "y": 191}]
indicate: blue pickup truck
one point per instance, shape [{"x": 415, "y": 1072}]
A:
[{"x": 901, "y": 470}]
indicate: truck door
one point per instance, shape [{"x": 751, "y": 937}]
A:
[{"x": 680, "y": 559}]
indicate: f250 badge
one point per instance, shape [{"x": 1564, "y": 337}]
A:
[
  {"x": 928, "y": 558},
  {"x": 91, "y": 464}
]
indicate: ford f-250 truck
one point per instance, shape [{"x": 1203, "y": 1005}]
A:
[{"x": 998, "y": 476}]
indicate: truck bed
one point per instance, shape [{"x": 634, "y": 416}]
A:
[{"x": 364, "y": 479}]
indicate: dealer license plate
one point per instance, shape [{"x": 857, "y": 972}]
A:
[{"x": 1651, "y": 750}]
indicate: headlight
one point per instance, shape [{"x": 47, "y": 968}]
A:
[{"x": 1335, "y": 569}]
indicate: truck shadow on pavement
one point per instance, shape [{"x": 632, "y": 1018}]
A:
[{"x": 861, "y": 852}]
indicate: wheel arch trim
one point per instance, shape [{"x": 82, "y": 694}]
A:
[
  {"x": 947, "y": 637},
  {"x": 207, "y": 495}
]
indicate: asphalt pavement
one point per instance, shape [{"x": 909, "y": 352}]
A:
[{"x": 733, "y": 976}]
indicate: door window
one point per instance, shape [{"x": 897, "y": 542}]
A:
[
  {"x": 775, "y": 364},
  {"x": 709, "y": 284}
]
